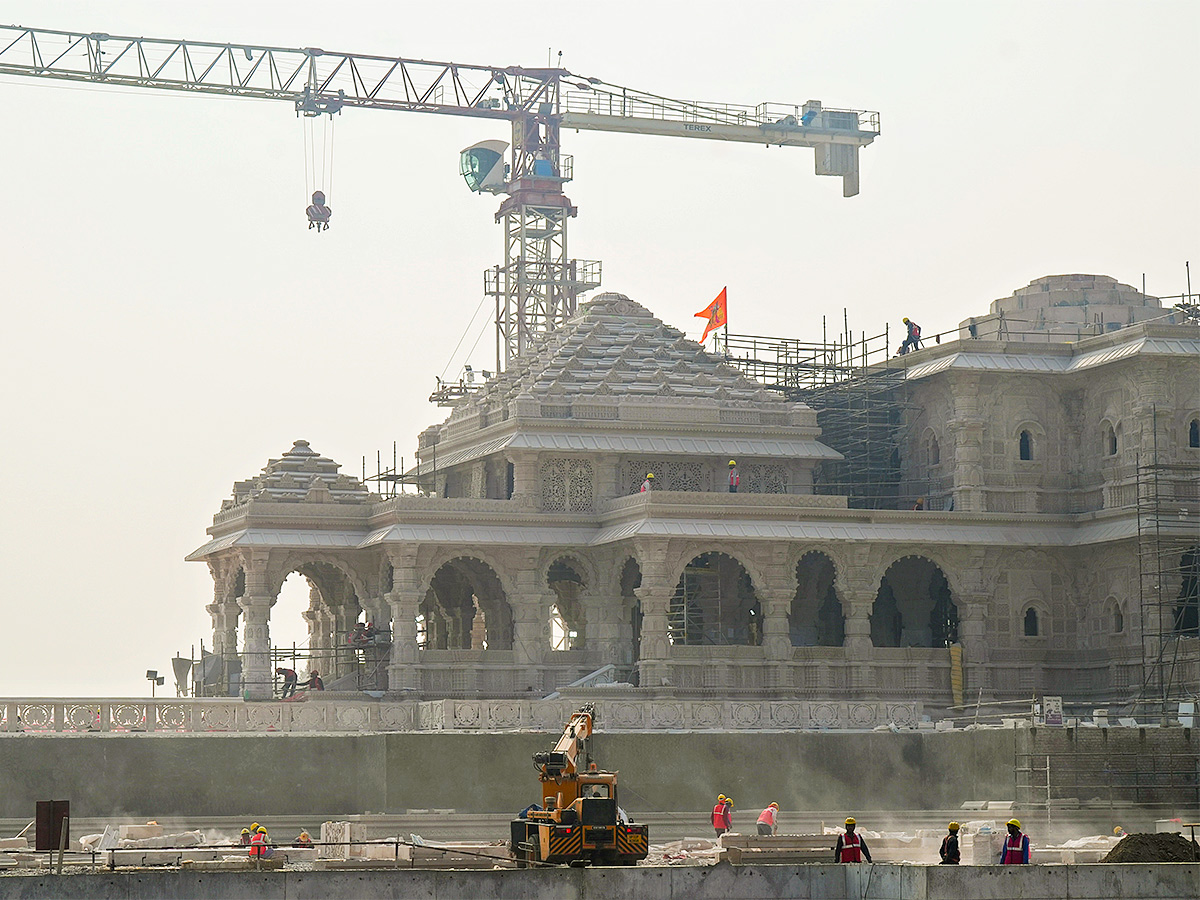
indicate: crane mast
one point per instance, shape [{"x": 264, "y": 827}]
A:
[{"x": 538, "y": 285}]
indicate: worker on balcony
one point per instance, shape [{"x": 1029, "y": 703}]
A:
[
  {"x": 318, "y": 213},
  {"x": 768, "y": 820},
  {"x": 851, "y": 847},
  {"x": 949, "y": 852},
  {"x": 1015, "y": 851},
  {"x": 912, "y": 340},
  {"x": 722, "y": 818},
  {"x": 734, "y": 478},
  {"x": 314, "y": 682},
  {"x": 648, "y": 483}
]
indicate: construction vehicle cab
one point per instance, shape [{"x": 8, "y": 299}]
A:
[{"x": 579, "y": 821}]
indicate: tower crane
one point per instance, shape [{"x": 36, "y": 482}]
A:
[{"x": 536, "y": 287}]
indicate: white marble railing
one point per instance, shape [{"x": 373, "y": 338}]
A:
[{"x": 354, "y": 714}]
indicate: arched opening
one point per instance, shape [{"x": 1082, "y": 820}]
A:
[
  {"x": 1194, "y": 433},
  {"x": 1110, "y": 440},
  {"x": 815, "y": 617},
  {"x": 914, "y": 607},
  {"x": 631, "y": 606},
  {"x": 1187, "y": 608},
  {"x": 1031, "y": 624},
  {"x": 714, "y": 603},
  {"x": 311, "y": 624},
  {"x": 1116, "y": 618},
  {"x": 1026, "y": 445},
  {"x": 934, "y": 451},
  {"x": 567, "y": 619},
  {"x": 465, "y": 608}
]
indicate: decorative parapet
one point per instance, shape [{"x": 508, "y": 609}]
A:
[
  {"x": 357, "y": 715},
  {"x": 714, "y": 500}
]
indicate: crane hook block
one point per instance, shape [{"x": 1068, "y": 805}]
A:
[{"x": 318, "y": 213}]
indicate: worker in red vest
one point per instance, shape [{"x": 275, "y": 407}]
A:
[
  {"x": 258, "y": 844},
  {"x": 734, "y": 478},
  {"x": 1015, "y": 851},
  {"x": 722, "y": 818},
  {"x": 851, "y": 847},
  {"x": 768, "y": 819}
]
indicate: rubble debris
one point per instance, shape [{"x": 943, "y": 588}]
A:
[{"x": 1168, "y": 846}]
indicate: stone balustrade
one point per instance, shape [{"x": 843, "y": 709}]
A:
[{"x": 355, "y": 714}]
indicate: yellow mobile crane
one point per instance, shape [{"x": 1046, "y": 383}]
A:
[
  {"x": 535, "y": 289},
  {"x": 578, "y": 821}
]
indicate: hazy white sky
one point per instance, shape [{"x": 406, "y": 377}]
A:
[{"x": 169, "y": 323}]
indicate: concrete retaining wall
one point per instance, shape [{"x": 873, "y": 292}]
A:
[
  {"x": 1179, "y": 881},
  {"x": 206, "y": 775}
]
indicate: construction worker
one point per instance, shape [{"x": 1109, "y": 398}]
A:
[
  {"x": 648, "y": 483},
  {"x": 721, "y": 819},
  {"x": 768, "y": 819},
  {"x": 245, "y": 838},
  {"x": 1015, "y": 851},
  {"x": 289, "y": 681},
  {"x": 734, "y": 479},
  {"x": 314, "y": 682},
  {"x": 259, "y": 848},
  {"x": 913, "y": 339},
  {"x": 304, "y": 839},
  {"x": 949, "y": 852},
  {"x": 850, "y": 847}
]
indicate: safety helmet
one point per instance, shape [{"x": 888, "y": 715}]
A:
[
  {"x": 1016, "y": 822},
  {"x": 954, "y": 826},
  {"x": 245, "y": 831},
  {"x": 254, "y": 826},
  {"x": 905, "y": 320},
  {"x": 261, "y": 830},
  {"x": 720, "y": 798},
  {"x": 774, "y": 804},
  {"x": 729, "y": 800},
  {"x": 850, "y": 821},
  {"x": 649, "y": 474},
  {"x": 733, "y": 462},
  {"x": 1118, "y": 830}
]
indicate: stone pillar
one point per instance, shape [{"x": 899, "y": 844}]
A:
[
  {"x": 655, "y": 594},
  {"x": 526, "y": 490},
  {"x": 859, "y": 646},
  {"x": 966, "y": 428},
  {"x": 224, "y": 614},
  {"x": 403, "y": 671},
  {"x": 608, "y": 478},
  {"x": 972, "y": 634},
  {"x": 602, "y": 611},
  {"x": 776, "y": 643},
  {"x": 256, "y": 638}
]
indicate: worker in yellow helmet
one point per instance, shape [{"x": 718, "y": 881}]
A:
[
  {"x": 648, "y": 483},
  {"x": 734, "y": 479},
  {"x": 245, "y": 837},
  {"x": 722, "y": 820},
  {"x": 1016, "y": 846},
  {"x": 768, "y": 819},
  {"x": 912, "y": 340},
  {"x": 851, "y": 847},
  {"x": 949, "y": 851}
]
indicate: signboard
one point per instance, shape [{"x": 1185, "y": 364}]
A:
[{"x": 1053, "y": 709}]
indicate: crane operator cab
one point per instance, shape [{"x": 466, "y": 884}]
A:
[
  {"x": 482, "y": 166},
  {"x": 318, "y": 213}
]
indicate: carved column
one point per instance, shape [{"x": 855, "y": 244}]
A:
[
  {"x": 224, "y": 614},
  {"x": 858, "y": 644},
  {"x": 972, "y": 634},
  {"x": 776, "y": 643},
  {"x": 526, "y": 490},
  {"x": 966, "y": 427},
  {"x": 655, "y": 595},
  {"x": 602, "y": 612},
  {"x": 256, "y": 639}
]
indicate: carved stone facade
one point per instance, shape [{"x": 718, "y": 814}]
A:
[{"x": 528, "y": 558}]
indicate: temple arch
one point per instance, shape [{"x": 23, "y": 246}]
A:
[
  {"x": 466, "y": 608},
  {"x": 816, "y": 617},
  {"x": 715, "y": 603},
  {"x": 568, "y": 621},
  {"x": 914, "y": 606}
]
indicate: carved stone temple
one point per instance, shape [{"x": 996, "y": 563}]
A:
[{"x": 528, "y": 557}]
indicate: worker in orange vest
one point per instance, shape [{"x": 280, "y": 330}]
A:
[
  {"x": 768, "y": 820},
  {"x": 722, "y": 818},
  {"x": 851, "y": 847},
  {"x": 260, "y": 844}
]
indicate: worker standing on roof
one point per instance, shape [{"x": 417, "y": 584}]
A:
[
  {"x": 1015, "y": 851},
  {"x": 912, "y": 340},
  {"x": 648, "y": 483},
  {"x": 850, "y": 847},
  {"x": 734, "y": 478},
  {"x": 949, "y": 852},
  {"x": 768, "y": 819},
  {"x": 722, "y": 821}
]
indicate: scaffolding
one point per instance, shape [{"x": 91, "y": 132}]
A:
[
  {"x": 1168, "y": 520},
  {"x": 855, "y": 386}
]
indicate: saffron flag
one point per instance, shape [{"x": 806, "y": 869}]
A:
[{"x": 715, "y": 313}]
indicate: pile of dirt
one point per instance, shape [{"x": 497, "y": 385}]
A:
[{"x": 1145, "y": 848}]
